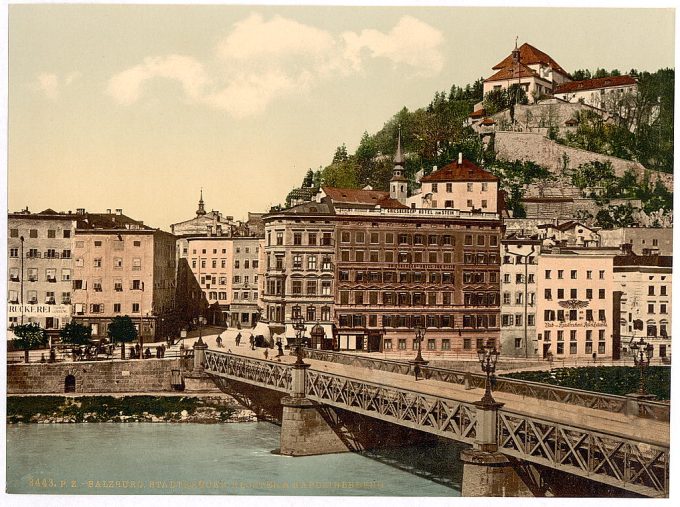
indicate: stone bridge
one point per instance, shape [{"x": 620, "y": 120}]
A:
[{"x": 621, "y": 443}]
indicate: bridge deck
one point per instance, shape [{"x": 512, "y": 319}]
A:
[{"x": 654, "y": 432}]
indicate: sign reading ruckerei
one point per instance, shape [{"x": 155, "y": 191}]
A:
[{"x": 38, "y": 310}]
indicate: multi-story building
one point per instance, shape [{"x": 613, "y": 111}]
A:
[
  {"x": 645, "y": 286},
  {"x": 386, "y": 269},
  {"x": 40, "y": 268},
  {"x": 577, "y": 304},
  {"x": 535, "y": 71},
  {"x": 299, "y": 255},
  {"x": 122, "y": 267},
  {"x": 518, "y": 296},
  {"x": 642, "y": 240},
  {"x": 227, "y": 270},
  {"x": 607, "y": 93},
  {"x": 205, "y": 223}
]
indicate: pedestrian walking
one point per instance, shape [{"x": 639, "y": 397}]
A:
[
  {"x": 416, "y": 371},
  {"x": 279, "y": 345},
  {"x": 219, "y": 341},
  {"x": 252, "y": 342},
  {"x": 266, "y": 353},
  {"x": 238, "y": 339}
]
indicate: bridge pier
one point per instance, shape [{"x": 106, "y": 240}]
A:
[
  {"x": 487, "y": 472},
  {"x": 304, "y": 430}
]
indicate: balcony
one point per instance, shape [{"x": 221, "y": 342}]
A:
[
  {"x": 32, "y": 255},
  {"x": 33, "y": 301},
  {"x": 52, "y": 279},
  {"x": 51, "y": 255},
  {"x": 13, "y": 278},
  {"x": 32, "y": 278},
  {"x": 50, "y": 301},
  {"x": 66, "y": 301}
]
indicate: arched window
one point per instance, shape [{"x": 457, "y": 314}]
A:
[{"x": 651, "y": 327}]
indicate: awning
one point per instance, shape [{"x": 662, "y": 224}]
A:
[{"x": 290, "y": 332}]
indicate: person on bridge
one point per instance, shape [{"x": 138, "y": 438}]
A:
[
  {"x": 416, "y": 371},
  {"x": 238, "y": 339},
  {"x": 252, "y": 342},
  {"x": 266, "y": 353},
  {"x": 219, "y": 341}
]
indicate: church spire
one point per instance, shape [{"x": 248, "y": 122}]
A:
[
  {"x": 201, "y": 206},
  {"x": 398, "y": 187}
]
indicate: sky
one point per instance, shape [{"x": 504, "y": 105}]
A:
[{"x": 139, "y": 107}]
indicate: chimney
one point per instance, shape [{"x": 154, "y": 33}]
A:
[
  {"x": 119, "y": 211},
  {"x": 108, "y": 211},
  {"x": 460, "y": 158},
  {"x": 80, "y": 211}
]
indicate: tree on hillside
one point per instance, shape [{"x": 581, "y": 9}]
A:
[
  {"x": 340, "y": 154},
  {"x": 308, "y": 182},
  {"x": 341, "y": 174},
  {"x": 615, "y": 216},
  {"x": 28, "y": 337},
  {"x": 500, "y": 100},
  {"x": 122, "y": 330},
  {"x": 76, "y": 334}
]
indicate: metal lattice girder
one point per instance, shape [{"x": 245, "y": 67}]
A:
[
  {"x": 255, "y": 371},
  {"x": 588, "y": 399},
  {"x": 634, "y": 465},
  {"x": 438, "y": 415}
]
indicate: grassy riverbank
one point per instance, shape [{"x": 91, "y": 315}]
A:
[
  {"x": 618, "y": 380},
  {"x": 61, "y": 409}
]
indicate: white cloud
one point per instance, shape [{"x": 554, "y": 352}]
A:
[
  {"x": 51, "y": 84},
  {"x": 261, "y": 60},
  {"x": 48, "y": 84},
  {"x": 410, "y": 42}
]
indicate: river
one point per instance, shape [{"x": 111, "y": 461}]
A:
[{"x": 220, "y": 459}]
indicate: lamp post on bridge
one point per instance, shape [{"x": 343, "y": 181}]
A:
[
  {"x": 642, "y": 353},
  {"x": 299, "y": 327},
  {"x": 418, "y": 362},
  {"x": 488, "y": 359}
]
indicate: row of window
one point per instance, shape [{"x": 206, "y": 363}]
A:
[
  {"x": 242, "y": 295},
  {"x": 431, "y": 344},
  {"x": 33, "y": 233},
  {"x": 517, "y": 259},
  {"x": 97, "y": 285},
  {"x": 651, "y": 290},
  {"x": 559, "y": 316},
  {"x": 247, "y": 263},
  {"x": 311, "y": 287},
  {"x": 573, "y": 294},
  {"x": 433, "y": 277},
  {"x": 313, "y": 238},
  {"x": 509, "y": 320},
  {"x": 469, "y": 322},
  {"x": 326, "y": 264},
  {"x": 573, "y": 274},
  {"x": 34, "y": 253},
  {"x": 118, "y": 243},
  {"x": 312, "y": 313},
  {"x": 32, "y": 297},
  {"x": 450, "y": 204},
  {"x": 573, "y": 335},
  {"x": 519, "y": 298},
  {"x": 469, "y": 187},
  {"x": 573, "y": 348},
  {"x": 417, "y": 257},
  {"x": 80, "y": 309},
  {"x": 224, "y": 250},
  {"x": 98, "y": 262},
  {"x": 32, "y": 275},
  {"x": 405, "y": 238},
  {"x": 208, "y": 280},
  {"x": 519, "y": 278}
]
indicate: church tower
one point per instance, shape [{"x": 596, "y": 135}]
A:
[
  {"x": 201, "y": 207},
  {"x": 398, "y": 184}
]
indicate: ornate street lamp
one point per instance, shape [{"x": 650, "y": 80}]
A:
[
  {"x": 488, "y": 359},
  {"x": 420, "y": 336},
  {"x": 642, "y": 353},
  {"x": 299, "y": 327}
]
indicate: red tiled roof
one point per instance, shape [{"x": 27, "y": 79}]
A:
[
  {"x": 529, "y": 55},
  {"x": 594, "y": 84},
  {"x": 362, "y": 197},
  {"x": 478, "y": 114},
  {"x": 513, "y": 72},
  {"x": 467, "y": 171},
  {"x": 488, "y": 121}
]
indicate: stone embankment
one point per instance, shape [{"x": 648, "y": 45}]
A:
[{"x": 126, "y": 409}]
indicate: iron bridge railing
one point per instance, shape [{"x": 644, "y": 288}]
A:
[
  {"x": 441, "y": 416},
  {"x": 634, "y": 465},
  {"x": 254, "y": 371},
  {"x": 588, "y": 399}
]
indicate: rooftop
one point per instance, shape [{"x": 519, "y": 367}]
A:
[
  {"x": 529, "y": 55},
  {"x": 361, "y": 197},
  {"x": 467, "y": 171},
  {"x": 594, "y": 84}
]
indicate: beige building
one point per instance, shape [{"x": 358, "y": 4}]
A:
[
  {"x": 227, "y": 269},
  {"x": 604, "y": 93},
  {"x": 459, "y": 185},
  {"x": 645, "y": 283},
  {"x": 40, "y": 268},
  {"x": 576, "y": 304},
  {"x": 535, "y": 71},
  {"x": 519, "y": 266},
  {"x": 122, "y": 267},
  {"x": 642, "y": 240}
]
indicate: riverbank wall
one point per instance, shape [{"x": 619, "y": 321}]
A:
[{"x": 131, "y": 376}]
